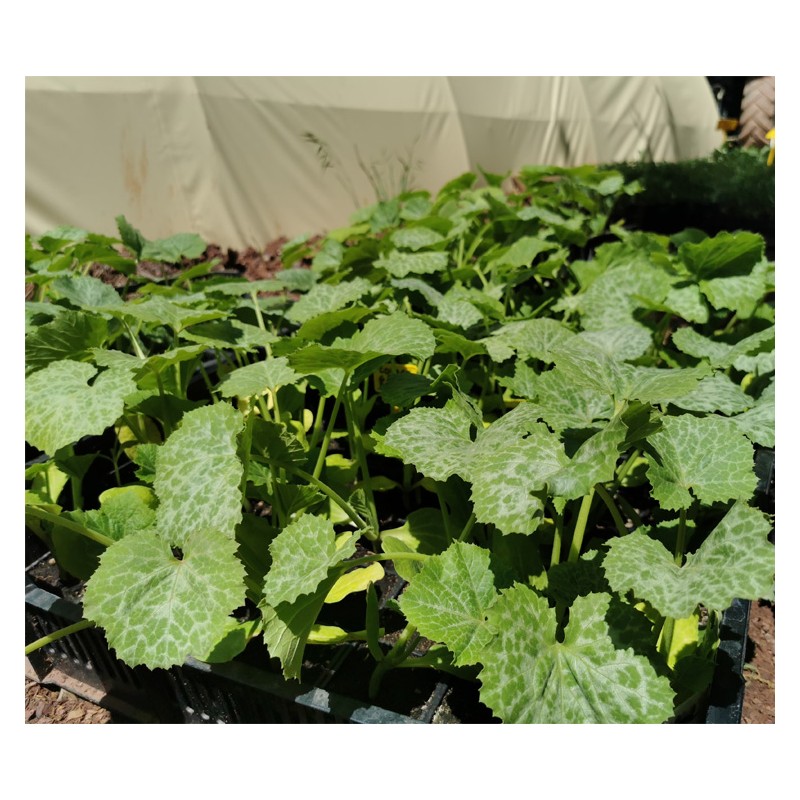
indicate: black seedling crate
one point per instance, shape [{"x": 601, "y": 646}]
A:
[{"x": 240, "y": 693}]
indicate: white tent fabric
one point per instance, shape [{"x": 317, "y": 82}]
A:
[{"x": 243, "y": 160}]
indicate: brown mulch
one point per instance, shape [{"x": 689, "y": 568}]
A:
[
  {"x": 60, "y": 707},
  {"x": 759, "y": 668}
]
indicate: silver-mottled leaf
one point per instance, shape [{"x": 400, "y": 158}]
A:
[
  {"x": 531, "y": 677},
  {"x": 157, "y": 608},
  {"x": 448, "y": 599},
  {"x": 61, "y": 407},
  {"x": 198, "y": 474},
  {"x": 735, "y": 560},
  {"x": 702, "y": 457}
]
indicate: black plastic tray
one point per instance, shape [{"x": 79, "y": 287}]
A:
[{"x": 239, "y": 693}]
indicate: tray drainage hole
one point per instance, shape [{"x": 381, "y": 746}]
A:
[
  {"x": 205, "y": 717},
  {"x": 189, "y": 710}
]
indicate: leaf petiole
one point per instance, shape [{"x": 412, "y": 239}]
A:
[
  {"x": 82, "y": 625},
  {"x": 76, "y": 527}
]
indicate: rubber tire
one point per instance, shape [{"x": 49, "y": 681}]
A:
[{"x": 758, "y": 111}]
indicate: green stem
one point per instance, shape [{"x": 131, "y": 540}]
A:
[
  {"x": 665, "y": 640},
  {"x": 56, "y": 635},
  {"x": 445, "y": 519},
  {"x": 606, "y": 497},
  {"x": 580, "y": 527},
  {"x": 134, "y": 341},
  {"x": 357, "y": 445},
  {"x": 373, "y": 624},
  {"x": 164, "y": 409},
  {"x": 340, "y": 501},
  {"x": 35, "y": 511},
  {"x": 371, "y": 559},
  {"x": 403, "y": 647},
  {"x": 207, "y": 382},
  {"x": 260, "y": 318},
  {"x": 558, "y": 535},
  {"x": 326, "y": 439},
  {"x": 275, "y": 407},
  {"x": 680, "y": 544},
  {"x": 316, "y": 431},
  {"x": 467, "y": 528},
  {"x": 626, "y": 467}
]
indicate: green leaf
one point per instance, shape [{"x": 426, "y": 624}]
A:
[
  {"x": 572, "y": 579},
  {"x": 739, "y": 293},
  {"x": 131, "y": 237},
  {"x": 244, "y": 287},
  {"x": 400, "y": 264},
  {"x": 534, "y": 338},
  {"x": 735, "y": 560},
  {"x": 704, "y": 457},
  {"x": 613, "y": 296},
  {"x": 422, "y": 532},
  {"x": 297, "y": 279},
  {"x": 758, "y": 424},
  {"x": 523, "y": 252},
  {"x": 594, "y": 462},
  {"x": 288, "y": 626},
  {"x": 564, "y": 405},
  {"x": 156, "y": 608},
  {"x": 47, "y": 483},
  {"x": 416, "y": 238},
  {"x": 452, "y": 342},
  {"x": 531, "y": 677},
  {"x": 276, "y": 443},
  {"x": 302, "y": 555},
  {"x": 235, "y": 638},
  {"x": 621, "y": 342},
  {"x": 510, "y": 464},
  {"x": 715, "y": 393},
  {"x": 198, "y": 474},
  {"x": 653, "y": 385},
  {"x": 256, "y": 379},
  {"x": 71, "y": 335},
  {"x": 393, "y": 335},
  {"x": 159, "y": 310},
  {"x": 403, "y": 388},
  {"x": 448, "y": 599},
  {"x": 355, "y": 581},
  {"x": 724, "y": 254},
  {"x": 687, "y": 302},
  {"x": 85, "y": 291},
  {"x": 61, "y": 407},
  {"x": 506, "y": 463},
  {"x": 123, "y": 511},
  {"x": 174, "y": 248},
  {"x": 229, "y": 333},
  {"x": 326, "y": 297},
  {"x": 458, "y": 311},
  {"x": 753, "y": 353}
]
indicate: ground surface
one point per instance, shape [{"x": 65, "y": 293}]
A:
[{"x": 759, "y": 668}]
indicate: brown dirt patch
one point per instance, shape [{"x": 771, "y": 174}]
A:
[{"x": 759, "y": 668}]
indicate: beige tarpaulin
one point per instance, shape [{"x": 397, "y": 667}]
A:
[{"x": 242, "y": 160}]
